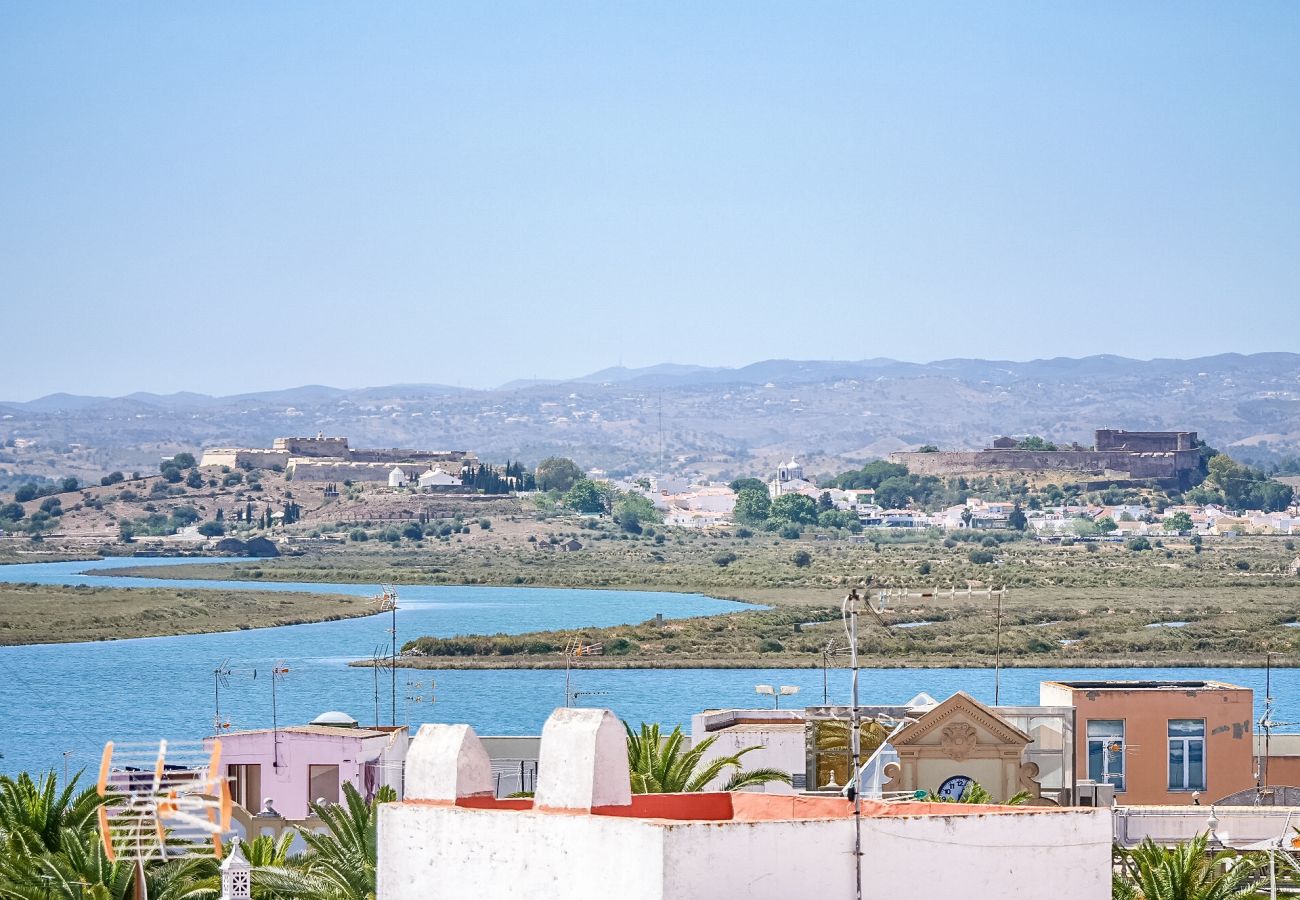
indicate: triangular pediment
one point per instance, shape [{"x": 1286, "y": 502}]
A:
[{"x": 989, "y": 728}]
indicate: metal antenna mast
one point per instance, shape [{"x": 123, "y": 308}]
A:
[
  {"x": 278, "y": 671},
  {"x": 997, "y": 657},
  {"x": 220, "y": 678},
  {"x": 387, "y": 601}
]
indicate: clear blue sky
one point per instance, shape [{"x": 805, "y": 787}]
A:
[{"x": 225, "y": 197}]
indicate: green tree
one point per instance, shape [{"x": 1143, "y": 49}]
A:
[
  {"x": 801, "y": 558},
  {"x": 1180, "y": 522},
  {"x": 662, "y": 764},
  {"x": 1105, "y": 525},
  {"x": 1186, "y": 871},
  {"x": 212, "y": 529},
  {"x": 794, "y": 508},
  {"x": 585, "y": 496},
  {"x": 927, "y": 448},
  {"x": 112, "y": 478},
  {"x": 1034, "y": 442},
  {"x": 69, "y": 484},
  {"x": 184, "y": 460},
  {"x": 894, "y": 492},
  {"x": 194, "y": 480},
  {"x": 25, "y": 492},
  {"x": 1016, "y": 519},
  {"x": 11, "y": 512},
  {"x": 740, "y": 484},
  {"x": 36, "y": 816},
  {"x": 631, "y": 511},
  {"x": 753, "y": 506},
  {"x": 557, "y": 473}
]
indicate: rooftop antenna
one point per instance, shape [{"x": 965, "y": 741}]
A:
[
  {"x": 278, "y": 671},
  {"x": 572, "y": 650},
  {"x": 220, "y": 678},
  {"x": 163, "y": 801},
  {"x": 387, "y": 601},
  {"x": 997, "y": 655},
  {"x": 776, "y": 693},
  {"x": 849, "y": 613},
  {"x": 852, "y": 607},
  {"x": 377, "y": 662}
]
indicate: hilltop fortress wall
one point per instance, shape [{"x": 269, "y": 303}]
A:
[
  {"x": 323, "y": 458},
  {"x": 236, "y": 457},
  {"x": 1118, "y": 464}
]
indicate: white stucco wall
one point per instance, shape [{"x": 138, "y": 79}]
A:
[
  {"x": 427, "y": 852},
  {"x": 461, "y": 852}
]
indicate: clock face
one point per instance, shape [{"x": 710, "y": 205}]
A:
[{"x": 954, "y": 787}]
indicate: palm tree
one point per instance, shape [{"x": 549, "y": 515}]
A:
[
  {"x": 35, "y": 817},
  {"x": 339, "y": 864},
  {"x": 1186, "y": 871},
  {"x": 663, "y": 765},
  {"x": 81, "y": 870}
]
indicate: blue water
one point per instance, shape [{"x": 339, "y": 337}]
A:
[{"x": 74, "y": 697}]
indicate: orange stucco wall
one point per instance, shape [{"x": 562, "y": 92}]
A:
[{"x": 1229, "y": 752}]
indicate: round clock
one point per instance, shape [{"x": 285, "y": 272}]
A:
[{"x": 954, "y": 787}]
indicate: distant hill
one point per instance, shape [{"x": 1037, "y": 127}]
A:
[{"x": 832, "y": 413}]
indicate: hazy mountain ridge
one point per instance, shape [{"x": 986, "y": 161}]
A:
[{"x": 716, "y": 419}]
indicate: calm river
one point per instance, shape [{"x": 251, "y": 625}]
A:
[{"x": 71, "y": 698}]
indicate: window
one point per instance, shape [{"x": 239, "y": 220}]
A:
[
  {"x": 1186, "y": 754},
  {"x": 246, "y": 786},
  {"x": 1106, "y": 751},
  {"x": 323, "y": 784}
]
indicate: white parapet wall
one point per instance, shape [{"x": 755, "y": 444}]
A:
[{"x": 591, "y": 839}]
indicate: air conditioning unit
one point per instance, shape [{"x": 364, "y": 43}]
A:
[{"x": 1094, "y": 793}]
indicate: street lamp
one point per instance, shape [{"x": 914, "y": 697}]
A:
[{"x": 785, "y": 690}]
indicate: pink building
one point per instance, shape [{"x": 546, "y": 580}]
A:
[{"x": 292, "y": 766}]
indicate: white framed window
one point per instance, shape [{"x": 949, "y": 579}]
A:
[
  {"x": 1106, "y": 751},
  {"x": 1186, "y": 754}
]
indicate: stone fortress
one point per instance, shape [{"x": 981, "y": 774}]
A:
[
  {"x": 323, "y": 458},
  {"x": 1116, "y": 456}
]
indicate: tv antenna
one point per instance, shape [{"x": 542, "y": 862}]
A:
[
  {"x": 221, "y": 679},
  {"x": 378, "y": 661},
  {"x": 278, "y": 671},
  {"x": 164, "y": 801},
  {"x": 572, "y": 650},
  {"x": 776, "y": 693},
  {"x": 387, "y": 602},
  {"x": 579, "y": 694}
]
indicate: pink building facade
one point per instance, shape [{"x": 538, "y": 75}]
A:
[{"x": 291, "y": 767}]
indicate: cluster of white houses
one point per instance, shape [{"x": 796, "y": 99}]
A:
[{"x": 688, "y": 504}]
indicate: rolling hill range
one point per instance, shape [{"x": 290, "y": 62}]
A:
[{"x": 718, "y": 420}]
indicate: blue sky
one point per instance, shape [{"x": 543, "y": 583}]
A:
[{"x": 225, "y": 197}]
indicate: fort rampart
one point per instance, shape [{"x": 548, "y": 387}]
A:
[{"x": 1119, "y": 464}]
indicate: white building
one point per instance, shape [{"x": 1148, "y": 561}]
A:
[
  {"x": 585, "y": 836},
  {"x": 436, "y": 477},
  {"x": 397, "y": 477}
]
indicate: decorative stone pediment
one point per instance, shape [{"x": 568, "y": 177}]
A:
[{"x": 961, "y": 726}]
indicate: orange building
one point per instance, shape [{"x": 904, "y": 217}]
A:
[{"x": 1160, "y": 742}]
